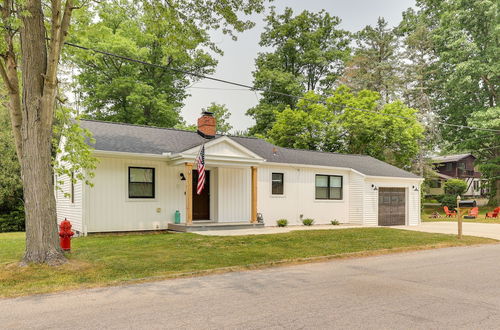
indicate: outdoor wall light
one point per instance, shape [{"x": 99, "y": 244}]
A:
[
  {"x": 374, "y": 187},
  {"x": 415, "y": 188},
  {"x": 183, "y": 178}
]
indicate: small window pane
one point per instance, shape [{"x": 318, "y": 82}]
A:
[
  {"x": 322, "y": 192},
  {"x": 140, "y": 189},
  {"x": 335, "y": 193},
  {"x": 141, "y": 174},
  {"x": 277, "y": 183},
  {"x": 322, "y": 181},
  {"x": 335, "y": 181}
]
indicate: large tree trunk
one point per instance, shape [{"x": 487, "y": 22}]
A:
[{"x": 36, "y": 132}]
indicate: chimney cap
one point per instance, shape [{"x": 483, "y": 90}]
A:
[{"x": 207, "y": 113}]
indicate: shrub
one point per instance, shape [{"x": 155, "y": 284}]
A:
[
  {"x": 12, "y": 221},
  {"x": 455, "y": 187},
  {"x": 282, "y": 222},
  {"x": 449, "y": 200},
  {"x": 308, "y": 222},
  {"x": 335, "y": 222}
]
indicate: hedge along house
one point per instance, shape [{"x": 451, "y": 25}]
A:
[{"x": 146, "y": 174}]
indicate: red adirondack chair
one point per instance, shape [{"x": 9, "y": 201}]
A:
[
  {"x": 493, "y": 214},
  {"x": 449, "y": 213},
  {"x": 474, "y": 212}
]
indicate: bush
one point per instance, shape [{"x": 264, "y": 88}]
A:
[
  {"x": 12, "y": 221},
  {"x": 335, "y": 222},
  {"x": 449, "y": 200},
  {"x": 455, "y": 187},
  {"x": 282, "y": 222},
  {"x": 308, "y": 222}
]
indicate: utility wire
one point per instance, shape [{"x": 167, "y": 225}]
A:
[{"x": 252, "y": 88}]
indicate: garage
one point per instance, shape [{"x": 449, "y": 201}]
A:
[{"x": 392, "y": 207}]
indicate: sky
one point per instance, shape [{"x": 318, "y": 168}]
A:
[{"x": 237, "y": 63}]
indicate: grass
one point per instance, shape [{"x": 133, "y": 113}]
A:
[
  {"x": 428, "y": 210},
  {"x": 114, "y": 259}
]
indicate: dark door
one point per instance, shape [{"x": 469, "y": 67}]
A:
[
  {"x": 391, "y": 207},
  {"x": 201, "y": 203}
]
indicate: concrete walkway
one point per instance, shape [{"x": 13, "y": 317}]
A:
[
  {"x": 272, "y": 230},
  {"x": 489, "y": 230}
]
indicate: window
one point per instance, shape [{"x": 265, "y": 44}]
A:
[
  {"x": 277, "y": 184},
  {"x": 328, "y": 187},
  {"x": 141, "y": 182},
  {"x": 449, "y": 166},
  {"x": 476, "y": 185}
]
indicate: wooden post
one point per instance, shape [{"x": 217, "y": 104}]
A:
[
  {"x": 188, "y": 169},
  {"x": 254, "y": 195},
  {"x": 459, "y": 218}
]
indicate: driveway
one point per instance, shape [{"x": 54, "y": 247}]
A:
[
  {"x": 489, "y": 230},
  {"x": 446, "y": 289}
]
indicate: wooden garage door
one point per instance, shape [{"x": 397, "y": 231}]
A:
[{"x": 391, "y": 206}]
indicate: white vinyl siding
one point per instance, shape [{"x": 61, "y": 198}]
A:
[
  {"x": 110, "y": 209},
  {"x": 299, "y": 197},
  {"x": 356, "y": 198},
  {"x": 65, "y": 208},
  {"x": 234, "y": 194}
]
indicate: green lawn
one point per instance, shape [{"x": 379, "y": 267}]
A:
[
  {"x": 112, "y": 259},
  {"x": 428, "y": 210}
]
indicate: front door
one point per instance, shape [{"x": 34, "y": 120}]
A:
[
  {"x": 201, "y": 203},
  {"x": 391, "y": 207}
]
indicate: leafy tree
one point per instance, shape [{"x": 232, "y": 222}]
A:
[
  {"x": 334, "y": 124},
  {"x": 31, "y": 49},
  {"x": 374, "y": 65},
  {"x": 455, "y": 187},
  {"x": 309, "y": 52},
  {"x": 11, "y": 189},
  {"x": 221, "y": 114}
]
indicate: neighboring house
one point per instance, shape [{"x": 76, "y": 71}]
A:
[
  {"x": 456, "y": 167},
  {"x": 146, "y": 174}
]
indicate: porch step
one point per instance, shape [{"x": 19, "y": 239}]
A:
[{"x": 204, "y": 226}]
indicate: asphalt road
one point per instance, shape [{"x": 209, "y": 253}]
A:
[{"x": 446, "y": 288}]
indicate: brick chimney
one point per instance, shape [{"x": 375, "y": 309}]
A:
[{"x": 206, "y": 125}]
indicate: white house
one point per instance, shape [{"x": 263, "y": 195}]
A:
[{"x": 145, "y": 174}]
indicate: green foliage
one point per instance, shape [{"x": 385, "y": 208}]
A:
[
  {"x": 12, "y": 220},
  {"x": 455, "y": 187},
  {"x": 221, "y": 114},
  {"x": 375, "y": 65},
  {"x": 309, "y": 51},
  {"x": 337, "y": 126},
  {"x": 335, "y": 222},
  {"x": 74, "y": 155},
  {"x": 448, "y": 200},
  {"x": 282, "y": 222},
  {"x": 11, "y": 189},
  {"x": 307, "y": 222}
]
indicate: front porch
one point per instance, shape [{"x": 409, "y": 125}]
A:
[
  {"x": 211, "y": 226},
  {"x": 229, "y": 197}
]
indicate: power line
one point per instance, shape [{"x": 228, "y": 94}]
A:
[{"x": 202, "y": 76}]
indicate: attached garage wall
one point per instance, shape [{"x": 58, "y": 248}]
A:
[
  {"x": 356, "y": 198},
  {"x": 412, "y": 199}
]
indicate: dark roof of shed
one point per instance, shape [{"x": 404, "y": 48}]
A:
[{"x": 120, "y": 137}]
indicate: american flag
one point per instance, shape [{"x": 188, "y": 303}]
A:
[{"x": 200, "y": 161}]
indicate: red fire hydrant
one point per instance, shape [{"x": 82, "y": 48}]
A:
[{"x": 65, "y": 234}]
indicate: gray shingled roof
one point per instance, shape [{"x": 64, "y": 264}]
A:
[{"x": 153, "y": 140}]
